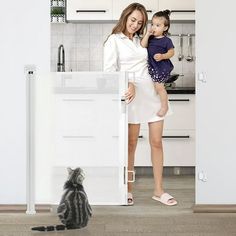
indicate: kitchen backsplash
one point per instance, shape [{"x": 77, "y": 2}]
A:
[{"x": 83, "y": 45}]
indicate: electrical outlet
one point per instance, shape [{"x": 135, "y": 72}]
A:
[{"x": 176, "y": 170}]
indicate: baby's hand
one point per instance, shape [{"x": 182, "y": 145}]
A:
[
  {"x": 158, "y": 57},
  {"x": 149, "y": 32}
]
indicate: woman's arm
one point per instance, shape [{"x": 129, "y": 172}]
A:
[
  {"x": 111, "y": 64},
  {"x": 110, "y": 56}
]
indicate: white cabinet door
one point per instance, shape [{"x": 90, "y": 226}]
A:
[
  {"x": 215, "y": 103},
  {"x": 183, "y": 117},
  {"x": 178, "y": 134},
  {"x": 179, "y": 148},
  {"x": 87, "y": 125},
  {"x": 120, "y": 5},
  {"x": 183, "y": 107},
  {"x": 90, "y": 120},
  {"x": 176, "y": 4},
  {"x": 88, "y": 10},
  {"x": 180, "y": 9}
]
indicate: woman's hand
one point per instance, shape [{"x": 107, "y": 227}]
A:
[{"x": 130, "y": 93}]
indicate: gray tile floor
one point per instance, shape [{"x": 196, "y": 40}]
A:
[{"x": 146, "y": 217}]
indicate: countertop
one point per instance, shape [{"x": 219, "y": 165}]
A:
[
  {"x": 181, "y": 90},
  {"x": 75, "y": 90}
]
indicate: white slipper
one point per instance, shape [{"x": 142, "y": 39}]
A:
[
  {"x": 130, "y": 199},
  {"x": 164, "y": 198}
]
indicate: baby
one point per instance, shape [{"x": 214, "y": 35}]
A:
[{"x": 160, "y": 50}]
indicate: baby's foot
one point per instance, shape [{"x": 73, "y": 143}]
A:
[{"x": 162, "y": 112}]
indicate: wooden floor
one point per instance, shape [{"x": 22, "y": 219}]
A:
[{"x": 146, "y": 217}]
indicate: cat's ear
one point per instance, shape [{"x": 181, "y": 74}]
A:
[{"x": 69, "y": 170}]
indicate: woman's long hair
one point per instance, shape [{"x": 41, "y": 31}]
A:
[{"x": 121, "y": 24}]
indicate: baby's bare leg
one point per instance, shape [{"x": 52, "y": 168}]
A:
[{"x": 160, "y": 89}]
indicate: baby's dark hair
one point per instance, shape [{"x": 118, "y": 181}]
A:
[{"x": 166, "y": 15}]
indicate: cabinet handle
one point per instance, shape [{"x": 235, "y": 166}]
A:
[
  {"x": 175, "y": 136},
  {"x": 174, "y": 11},
  {"x": 140, "y": 136},
  {"x": 77, "y": 100},
  {"x": 122, "y": 99},
  {"x": 149, "y": 11},
  {"x": 179, "y": 100},
  {"x": 81, "y": 11},
  {"x": 77, "y": 136}
]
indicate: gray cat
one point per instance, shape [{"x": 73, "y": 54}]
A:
[{"x": 74, "y": 210}]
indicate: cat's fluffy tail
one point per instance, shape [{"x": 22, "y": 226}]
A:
[{"x": 49, "y": 228}]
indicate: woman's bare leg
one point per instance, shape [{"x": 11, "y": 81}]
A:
[
  {"x": 155, "y": 139},
  {"x": 132, "y": 140}
]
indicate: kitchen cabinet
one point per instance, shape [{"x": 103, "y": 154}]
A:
[
  {"x": 183, "y": 107},
  {"x": 88, "y": 10},
  {"x": 119, "y": 6},
  {"x": 90, "y": 131},
  {"x": 179, "y": 147},
  {"x": 178, "y": 134},
  {"x": 180, "y": 10},
  {"x": 79, "y": 130}
]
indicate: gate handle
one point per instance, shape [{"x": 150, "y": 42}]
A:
[{"x": 133, "y": 176}]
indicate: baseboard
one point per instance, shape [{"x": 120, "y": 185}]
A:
[
  {"x": 214, "y": 208},
  {"x": 21, "y": 208},
  {"x": 167, "y": 170}
]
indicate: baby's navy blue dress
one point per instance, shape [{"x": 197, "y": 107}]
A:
[{"x": 159, "y": 70}]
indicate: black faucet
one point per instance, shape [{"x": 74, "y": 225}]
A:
[{"x": 61, "y": 59}]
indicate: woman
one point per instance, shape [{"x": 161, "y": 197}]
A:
[{"x": 123, "y": 52}]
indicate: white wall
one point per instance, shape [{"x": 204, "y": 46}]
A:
[
  {"x": 216, "y": 102},
  {"x": 25, "y": 39}
]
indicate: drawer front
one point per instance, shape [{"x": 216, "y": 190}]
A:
[
  {"x": 177, "y": 5},
  {"x": 179, "y": 148},
  {"x": 75, "y": 115},
  {"x": 78, "y": 115},
  {"x": 89, "y": 10},
  {"x": 119, "y": 6},
  {"x": 86, "y": 151},
  {"x": 87, "y": 129},
  {"x": 180, "y": 10},
  {"x": 183, "y": 117}
]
